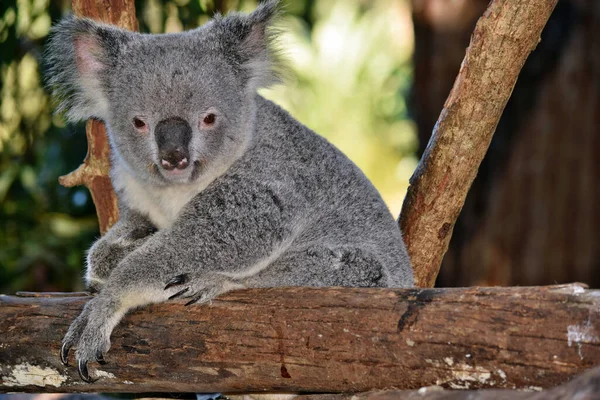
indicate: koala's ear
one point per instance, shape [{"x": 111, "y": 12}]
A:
[
  {"x": 255, "y": 37},
  {"x": 78, "y": 57}
]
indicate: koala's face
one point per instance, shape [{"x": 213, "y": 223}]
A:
[
  {"x": 175, "y": 105},
  {"x": 175, "y": 108}
]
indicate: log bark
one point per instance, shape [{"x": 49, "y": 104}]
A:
[
  {"x": 584, "y": 387},
  {"x": 503, "y": 38},
  {"x": 94, "y": 172},
  {"x": 316, "y": 340}
]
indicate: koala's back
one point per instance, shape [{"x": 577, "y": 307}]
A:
[{"x": 340, "y": 221}]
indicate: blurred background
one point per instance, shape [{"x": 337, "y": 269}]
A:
[{"x": 372, "y": 77}]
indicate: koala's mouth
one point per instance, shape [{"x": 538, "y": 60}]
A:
[{"x": 186, "y": 175}]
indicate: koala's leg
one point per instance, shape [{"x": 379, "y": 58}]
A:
[
  {"x": 90, "y": 331},
  {"x": 222, "y": 235},
  {"x": 321, "y": 265},
  {"x": 135, "y": 282},
  {"x": 128, "y": 234}
]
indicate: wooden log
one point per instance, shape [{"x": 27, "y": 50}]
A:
[
  {"x": 503, "y": 38},
  {"x": 583, "y": 387},
  {"x": 326, "y": 340},
  {"x": 94, "y": 172}
]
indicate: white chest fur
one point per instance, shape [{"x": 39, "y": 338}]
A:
[{"x": 161, "y": 204}]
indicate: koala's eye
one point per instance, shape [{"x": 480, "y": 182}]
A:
[
  {"x": 209, "y": 119},
  {"x": 138, "y": 123}
]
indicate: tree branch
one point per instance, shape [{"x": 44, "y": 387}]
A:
[
  {"x": 503, "y": 38},
  {"x": 316, "y": 340}
]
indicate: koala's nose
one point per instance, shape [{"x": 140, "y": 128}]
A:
[{"x": 173, "y": 137}]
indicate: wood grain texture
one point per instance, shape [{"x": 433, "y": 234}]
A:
[
  {"x": 503, "y": 39},
  {"x": 317, "y": 341},
  {"x": 94, "y": 172}
]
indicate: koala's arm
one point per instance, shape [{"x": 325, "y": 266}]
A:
[
  {"x": 225, "y": 234},
  {"x": 129, "y": 233}
]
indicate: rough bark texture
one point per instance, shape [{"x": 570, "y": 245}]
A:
[
  {"x": 503, "y": 38},
  {"x": 94, "y": 172},
  {"x": 584, "y": 387},
  {"x": 530, "y": 217},
  {"x": 442, "y": 30},
  {"x": 317, "y": 340}
]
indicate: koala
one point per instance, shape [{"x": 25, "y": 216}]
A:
[{"x": 218, "y": 188}]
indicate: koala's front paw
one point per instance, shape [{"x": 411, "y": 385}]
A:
[
  {"x": 90, "y": 334},
  {"x": 93, "y": 344},
  {"x": 198, "y": 288},
  {"x": 73, "y": 334}
]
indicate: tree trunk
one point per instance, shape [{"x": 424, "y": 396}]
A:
[
  {"x": 316, "y": 340},
  {"x": 530, "y": 217}
]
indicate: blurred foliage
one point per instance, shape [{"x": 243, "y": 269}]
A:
[
  {"x": 349, "y": 82},
  {"x": 350, "y": 69}
]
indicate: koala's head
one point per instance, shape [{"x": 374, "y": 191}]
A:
[{"x": 176, "y": 106}]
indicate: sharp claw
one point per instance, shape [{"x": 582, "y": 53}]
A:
[
  {"x": 193, "y": 300},
  {"x": 100, "y": 359},
  {"x": 179, "y": 293},
  {"x": 178, "y": 280},
  {"x": 64, "y": 354},
  {"x": 83, "y": 371}
]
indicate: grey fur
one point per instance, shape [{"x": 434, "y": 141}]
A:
[{"x": 265, "y": 201}]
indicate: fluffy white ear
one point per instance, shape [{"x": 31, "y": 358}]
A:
[
  {"x": 253, "y": 38},
  {"x": 78, "y": 58}
]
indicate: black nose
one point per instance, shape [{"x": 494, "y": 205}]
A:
[{"x": 173, "y": 137}]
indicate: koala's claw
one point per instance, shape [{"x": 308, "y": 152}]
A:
[
  {"x": 178, "y": 293},
  {"x": 64, "y": 353},
  {"x": 195, "y": 299},
  {"x": 83, "y": 372},
  {"x": 100, "y": 359},
  {"x": 177, "y": 280}
]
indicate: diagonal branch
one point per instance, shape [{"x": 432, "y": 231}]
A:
[{"x": 503, "y": 39}]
